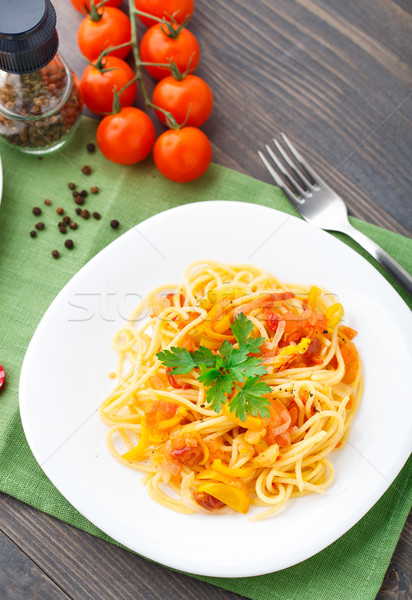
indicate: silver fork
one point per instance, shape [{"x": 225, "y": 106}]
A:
[{"x": 318, "y": 204}]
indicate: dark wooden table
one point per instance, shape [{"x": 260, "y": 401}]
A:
[{"x": 337, "y": 78}]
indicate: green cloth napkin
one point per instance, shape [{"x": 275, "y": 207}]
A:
[{"x": 353, "y": 566}]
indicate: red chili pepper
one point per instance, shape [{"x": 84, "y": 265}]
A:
[{"x": 2, "y": 377}]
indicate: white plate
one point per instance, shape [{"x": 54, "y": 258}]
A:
[{"x": 65, "y": 378}]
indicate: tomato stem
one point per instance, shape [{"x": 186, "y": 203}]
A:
[
  {"x": 171, "y": 121},
  {"x": 93, "y": 13},
  {"x": 99, "y": 62},
  {"x": 172, "y": 27}
]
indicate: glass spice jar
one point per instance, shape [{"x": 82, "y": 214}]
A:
[{"x": 40, "y": 100}]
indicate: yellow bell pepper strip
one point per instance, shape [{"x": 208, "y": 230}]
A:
[
  {"x": 139, "y": 452},
  {"x": 314, "y": 297},
  {"x": 169, "y": 423},
  {"x": 210, "y": 474},
  {"x": 232, "y": 496},
  {"x": 334, "y": 315},
  {"x": 249, "y": 423},
  {"x": 243, "y": 472},
  {"x": 298, "y": 349}
]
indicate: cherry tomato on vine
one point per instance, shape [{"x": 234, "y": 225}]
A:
[
  {"x": 80, "y": 4},
  {"x": 182, "y": 155},
  {"x": 110, "y": 28},
  {"x": 157, "y": 46},
  {"x": 163, "y": 9},
  {"x": 126, "y": 137},
  {"x": 191, "y": 97},
  {"x": 97, "y": 85}
]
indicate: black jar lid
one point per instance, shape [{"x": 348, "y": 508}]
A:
[{"x": 28, "y": 36}]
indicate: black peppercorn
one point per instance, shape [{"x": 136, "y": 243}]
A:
[
  {"x": 96, "y": 215},
  {"x": 60, "y": 210},
  {"x": 66, "y": 220},
  {"x": 94, "y": 189},
  {"x": 36, "y": 211},
  {"x": 33, "y": 233},
  {"x": 55, "y": 254},
  {"x": 73, "y": 225},
  {"x": 78, "y": 211},
  {"x": 85, "y": 214},
  {"x": 69, "y": 244},
  {"x": 91, "y": 148},
  {"x": 79, "y": 199},
  {"x": 114, "y": 224},
  {"x": 86, "y": 170},
  {"x": 40, "y": 226},
  {"x": 72, "y": 186}
]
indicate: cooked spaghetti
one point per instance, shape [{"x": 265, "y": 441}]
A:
[{"x": 198, "y": 459}]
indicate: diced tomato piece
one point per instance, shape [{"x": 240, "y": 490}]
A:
[
  {"x": 159, "y": 411},
  {"x": 266, "y": 301},
  {"x": 186, "y": 451},
  {"x": 348, "y": 331},
  {"x": 174, "y": 382},
  {"x": 189, "y": 456},
  {"x": 207, "y": 501},
  {"x": 278, "y": 422},
  {"x": 313, "y": 352},
  {"x": 351, "y": 359}
]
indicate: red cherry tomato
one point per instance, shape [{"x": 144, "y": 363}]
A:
[
  {"x": 79, "y": 4},
  {"x": 191, "y": 98},
  {"x": 112, "y": 29},
  {"x": 158, "y": 47},
  {"x": 163, "y": 9},
  {"x": 97, "y": 85},
  {"x": 126, "y": 137},
  {"x": 182, "y": 154},
  {"x": 2, "y": 377}
]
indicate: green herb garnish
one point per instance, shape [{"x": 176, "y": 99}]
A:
[{"x": 222, "y": 372}]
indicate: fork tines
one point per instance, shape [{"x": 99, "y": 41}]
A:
[{"x": 290, "y": 171}]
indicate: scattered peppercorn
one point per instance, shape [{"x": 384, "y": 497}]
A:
[
  {"x": 96, "y": 215},
  {"x": 75, "y": 193},
  {"x": 78, "y": 211},
  {"x": 73, "y": 225},
  {"x": 60, "y": 210},
  {"x": 55, "y": 254},
  {"x": 84, "y": 193},
  {"x": 86, "y": 170},
  {"x": 72, "y": 186},
  {"x": 40, "y": 226},
  {"x": 94, "y": 189},
  {"x": 36, "y": 211},
  {"x": 60, "y": 224},
  {"x": 79, "y": 199},
  {"x": 66, "y": 220},
  {"x": 69, "y": 244},
  {"x": 33, "y": 233},
  {"x": 114, "y": 224},
  {"x": 47, "y": 201},
  {"x": 91, "y": 148},
  {"x": 63, "y": 229},
  {"x": 85, "y": 214}
]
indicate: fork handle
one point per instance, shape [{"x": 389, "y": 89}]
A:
[{"x": 394, "y": 268}]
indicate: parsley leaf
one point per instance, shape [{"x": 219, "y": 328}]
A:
[
  {"x": 250, "y": 400},
  {"x": 180, "y": 359},
  {"x": 241, "y": 327},
  {"x": 221, "y": 372},
  {"x": 216, "y": 394}
]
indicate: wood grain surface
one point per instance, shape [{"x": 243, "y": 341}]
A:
[{"x": 336, "y": 77}]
